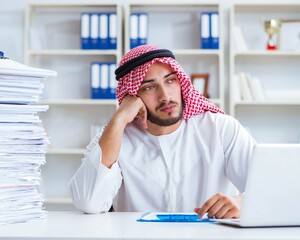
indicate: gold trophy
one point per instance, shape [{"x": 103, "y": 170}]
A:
[{"x": 272, "y": 27}]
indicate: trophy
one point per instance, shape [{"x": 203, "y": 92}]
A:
[{"x": 272, "y": 27}]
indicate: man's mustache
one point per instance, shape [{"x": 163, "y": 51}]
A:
[{"x": 165, "y": 104}]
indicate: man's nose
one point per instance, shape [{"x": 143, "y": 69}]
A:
[{"x": 164, "y": 95}]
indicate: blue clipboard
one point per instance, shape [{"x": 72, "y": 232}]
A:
[{"x": 171, "y": 217}]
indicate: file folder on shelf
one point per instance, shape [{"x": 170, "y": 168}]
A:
[
  {"x": 85, "y": 31},
  {"x": 95, "y": 80},
  {"x": 112, "y": 79},
  {"x": 209, "y": 30},
  {"x": 103, "y": 80},
  {"x": 134, "y": 28},
  {"x": 94, "y": 31},
  {"x": 103, "y": 30},
  {"x": 143, "y": 29},
  {"x": 205, "y": 30},
  {"x": 214, "y": 27},
  {"x": 112, "y": 33}
]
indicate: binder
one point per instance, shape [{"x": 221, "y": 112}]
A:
[
  {"x": 95, "y": 80},
  {"x": 205, "y": 30},
  {"x": 143, "y": 29},
  {"x": 104, "y": 75},
  {"x": 103, "y": 31},
  {"x": 134, "y": 23},
  {"x": 85, "y": 31},
  {"x": 103, "y": 83},
  {"x": 94, "y": 31},
  {"x": 112, "y": 31},
  {"x": 112, "y": 80},
  {"x": 214, "y": 27}
]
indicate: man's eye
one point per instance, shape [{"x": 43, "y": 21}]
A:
[
  {"x": 170, "y": 80},
  {"x": 147, "y": 88}
]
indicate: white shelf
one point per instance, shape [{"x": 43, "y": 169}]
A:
[
  {"x": 270, "y": 103},
  {"x": 80, "y": 102},
  {"x": 257, "y": 53},
  {"x": 59, "y": 200},
  {"x": 71, "y": 52},
  {"x": 182, "y": 19},
  {"x": 66, "y": 151},
  {"x": 72, "y": 116},
  {"x": 275, "y": 119},
  {"x": 196, "y": 52}
]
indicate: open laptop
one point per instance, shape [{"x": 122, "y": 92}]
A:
[{"x": 272, "y": 194}]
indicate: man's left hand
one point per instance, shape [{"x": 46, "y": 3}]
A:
[{"x": 221, "y": 206}]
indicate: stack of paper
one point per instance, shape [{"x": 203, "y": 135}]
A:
[{"x": 23, "y": 142}]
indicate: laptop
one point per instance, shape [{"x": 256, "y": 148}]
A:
[{"x": 272, "y": 193}]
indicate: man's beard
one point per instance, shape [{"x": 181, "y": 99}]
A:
[{"x": 164, "y": 122}]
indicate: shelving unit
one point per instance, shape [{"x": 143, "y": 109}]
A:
[
  {"x": 275, "y": 119},
  {"x": 181, "y": 21},
  {"x": 54, "y": 43}
]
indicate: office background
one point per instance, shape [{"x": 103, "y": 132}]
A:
[{"x": 269, "y": 121}]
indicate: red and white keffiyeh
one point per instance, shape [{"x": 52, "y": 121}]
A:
[{"x": 194, "y": 102}]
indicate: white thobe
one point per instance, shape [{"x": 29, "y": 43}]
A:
[{"x": 207, "y": 154}]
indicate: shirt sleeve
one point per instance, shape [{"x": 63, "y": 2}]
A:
[
  {"x": 94, "y": 186},
  {"x": 238, "y": 147}
]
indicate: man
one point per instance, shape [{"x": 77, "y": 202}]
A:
[{"x": 167, "y": 148}]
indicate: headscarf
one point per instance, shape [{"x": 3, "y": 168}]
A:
[{"x": 194, "y": 102}]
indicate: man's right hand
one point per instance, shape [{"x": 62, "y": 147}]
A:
[
  {"x": 132, "y": 107},
  {"x": 110, "y": 142}
]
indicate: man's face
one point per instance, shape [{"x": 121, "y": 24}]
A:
[{"x": 161, "y": 94}]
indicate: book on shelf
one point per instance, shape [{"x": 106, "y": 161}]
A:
[
  {"x": 103, "y": 83},
  {"x": 138, "y": 29},
  {"x": 209, "y": 30},
  {"x": 239, "y": 39},
  {"x": 23, "y": 141},
  {"x": 99, "y": 30},
  {"x": 251, "y": 87}
]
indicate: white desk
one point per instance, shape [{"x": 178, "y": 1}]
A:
[{"x": 75, "y": 225}]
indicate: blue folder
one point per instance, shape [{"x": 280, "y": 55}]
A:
[{"x": 171, "y": 217}]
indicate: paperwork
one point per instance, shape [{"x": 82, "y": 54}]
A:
[{"x": 23, "y": 141}]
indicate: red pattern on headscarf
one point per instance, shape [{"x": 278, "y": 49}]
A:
[{"x": 194, "y": 102}]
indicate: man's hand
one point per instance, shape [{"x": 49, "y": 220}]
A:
[
  {"x": 221, "y": 206},
  {"x": 132, "y": 107},
  {"x": 110, "y": 141}
]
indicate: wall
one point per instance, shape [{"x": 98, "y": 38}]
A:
[{"x": 12, "y": 25}]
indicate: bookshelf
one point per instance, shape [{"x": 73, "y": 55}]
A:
[
  {"x": 52, "y": 40},
  {"x": 275, "y": 118},
  {"x": 181, "y": 21}
]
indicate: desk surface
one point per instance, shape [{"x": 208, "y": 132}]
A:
[{"x": 75, "y": 225}]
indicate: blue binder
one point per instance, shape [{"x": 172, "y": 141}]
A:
[
  {"x": 214, "y": 30},
  {"x": 112, "y": 80},
  {"x": 112, "y": 31},
  {"x": 205, "y": 30},
  {"x": 103, "y": 31},
  {"x": 85, "y": 31},
  {"x": 94, "y": 30},
  {"x": 134, "y": 29},
  {"x": 143, "y": 29},
  {"x": 95, "y": 80},
  {"x": 103, "y": 83}
]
